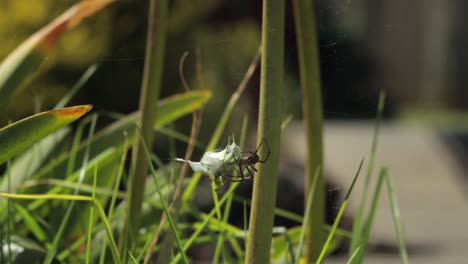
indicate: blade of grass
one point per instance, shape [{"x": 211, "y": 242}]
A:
[
  {"x": 269, "y": 128},
  {"x": 9, "y": 215},
  {"x": 58, "y": 236},
  {"x": 91, "y": 221},
  {"x": 359, "y": 217},
  {"x": 92, "y": 119},
  {"x": 77, "y": 86},
  {"x": 396, "y": 219},
  {"x": 163, "y": 203},
  {"x": 351, "y": 259},
  {"x": 309, "y": 69},
  {"x": 31, "y": 223},
  {"x": 135, "y": 261},
  {"x": 383, "y": 177},
  {"x": 102, "y": 256},
  {"x": 363, "y": 241},
  {"x": 338, "y": 216},
  {"x": 71, "y": 185},
  {"x": 306, "y": 217}
]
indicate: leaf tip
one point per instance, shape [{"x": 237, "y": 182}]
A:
[{"x": 74, "y": 111}]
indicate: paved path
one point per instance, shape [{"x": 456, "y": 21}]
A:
[{"x": 428, "y": 182}]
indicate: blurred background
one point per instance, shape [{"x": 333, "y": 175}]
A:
[{"x": 412, "y": 50}]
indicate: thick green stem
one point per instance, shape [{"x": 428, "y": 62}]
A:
[
  {"x": 309, "y": 69},
  {"x": 155, "y": 49},
  {"x": 269, "y": 128}
]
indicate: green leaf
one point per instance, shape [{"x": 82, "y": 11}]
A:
[
  {"x": 30, "y": 161},
  {"x": 113, "y": 135},
  {"x": 176, "y": 106},
  {"x": 21, "y": 135}
]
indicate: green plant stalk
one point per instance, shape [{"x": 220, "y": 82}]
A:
[
  {"x": 358, "y": 221},
  {"x": 227, "y": 208},
  {"x": 306, "y": 217},
  {"x": 154, "y": 60},
  {"x": 309, "y": 69},
  {"x": 269, "y": 127},
  {"x": 338, "y": 216},
  {"x": 244, "y": 214},
  {"x": 384, "y": 177},
  {"x": 190, "y": 189},
  {"x": 163, "y": 203}
]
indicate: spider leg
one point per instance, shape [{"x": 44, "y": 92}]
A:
[
  {"x": 228, "y": 176},
  {"x": 231, "y": 178},
  {"x": 268, "y": 148},
  {"x": 227, "y": 173},
  {"x": 252, "y": 166},
  {"x": 240, "y": 171},
  {"x": 248, "y": 167}
]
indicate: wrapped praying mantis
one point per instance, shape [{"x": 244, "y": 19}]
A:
[{"x": 229, "y": 163}]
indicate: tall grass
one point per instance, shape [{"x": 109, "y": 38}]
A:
[
  {"x": 309, "y": 71},
  {"x": 150, "y": 89},
  {"x": 269, "y": 128}
]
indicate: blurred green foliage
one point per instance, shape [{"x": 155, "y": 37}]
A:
[
  {"x": 115, "y": 39},
  {"x": 79, "y": 48}
]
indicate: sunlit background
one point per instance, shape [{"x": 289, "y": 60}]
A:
[{"x": 412, "y": 50}]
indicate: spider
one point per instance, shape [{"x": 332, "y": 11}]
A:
[{"x": 247, "y": 162}]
